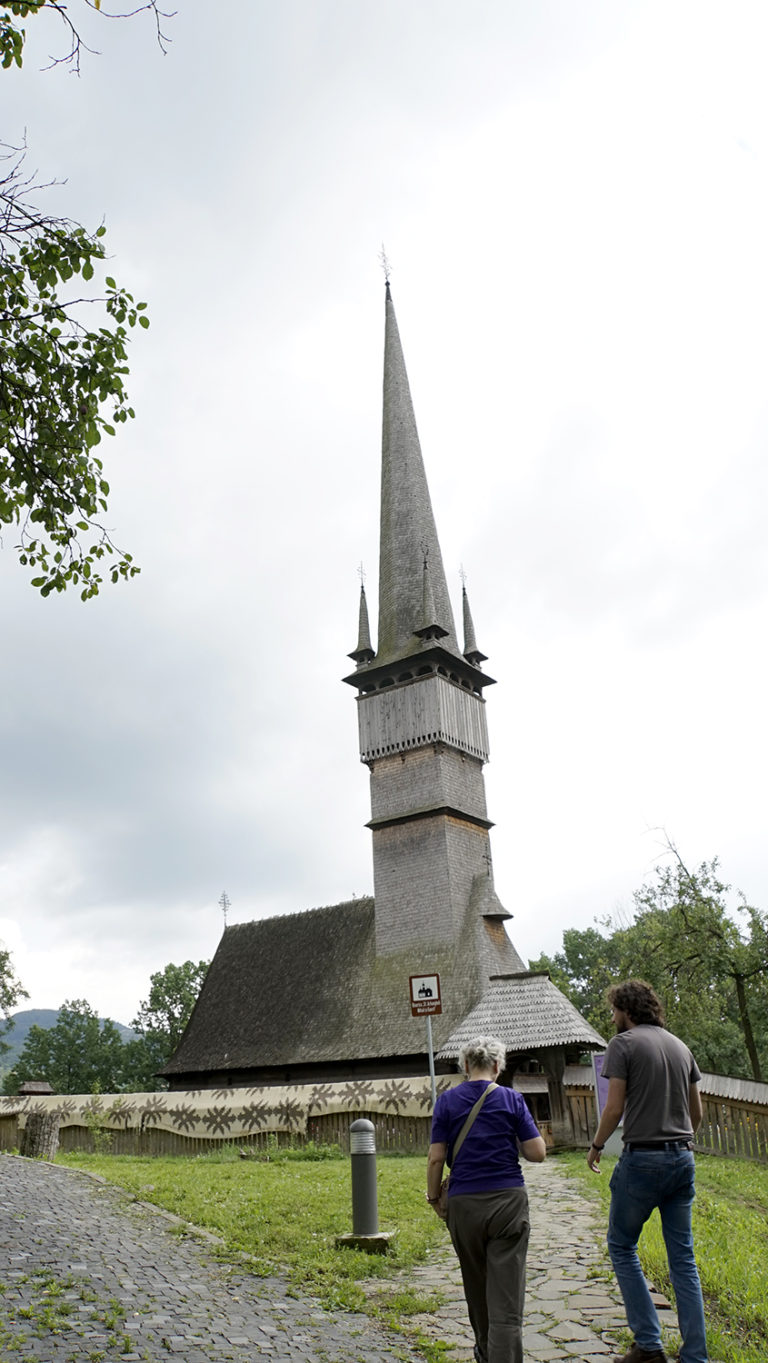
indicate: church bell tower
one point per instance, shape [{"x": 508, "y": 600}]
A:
[{"x": 422, "y": 721}]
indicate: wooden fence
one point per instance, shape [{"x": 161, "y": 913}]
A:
[
  {"x": 394, "y": 1134},
  {"x": 732, "y": 1127}
]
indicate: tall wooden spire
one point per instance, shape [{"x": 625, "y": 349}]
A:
[
  {"x": 408, "y": 535},
  {"x": 423, "y": 735}
]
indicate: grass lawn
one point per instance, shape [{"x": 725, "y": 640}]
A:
[
  {"x": 285, "y": 1213},
  {"x": 730, "y": 1229}
]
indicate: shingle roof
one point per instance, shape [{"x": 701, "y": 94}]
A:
[
  {"x": 308, "y": 987},
  {"x": 527, "y": 1012}
]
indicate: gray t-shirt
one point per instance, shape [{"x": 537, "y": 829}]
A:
[{"x": 658, "y": 1069}]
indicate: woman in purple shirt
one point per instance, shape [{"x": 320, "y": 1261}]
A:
[{"x": 487, "y": 1202}]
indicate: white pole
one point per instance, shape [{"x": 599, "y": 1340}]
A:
[{"x": 431, "y": 1059}]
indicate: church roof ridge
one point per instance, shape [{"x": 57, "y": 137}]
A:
[{"x": 362, "y": 901}]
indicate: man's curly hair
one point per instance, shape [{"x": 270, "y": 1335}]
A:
[{"x": 639, "y": 1001}]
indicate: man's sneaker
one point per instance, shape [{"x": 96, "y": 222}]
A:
[{"x": 639, "y": 1355}]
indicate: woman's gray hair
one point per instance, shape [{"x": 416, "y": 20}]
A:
[{"x": 483, "y": 1053}]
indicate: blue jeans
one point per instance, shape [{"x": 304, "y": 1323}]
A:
[{"x": 642, "y": 1180}]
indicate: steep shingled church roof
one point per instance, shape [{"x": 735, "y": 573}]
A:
[{"x": 308, "y": 988}]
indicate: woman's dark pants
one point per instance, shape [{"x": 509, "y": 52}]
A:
[{"x": 490, "y": 1235}]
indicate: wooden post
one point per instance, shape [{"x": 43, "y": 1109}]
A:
[
  {"x": 40, "y": 1137},
  {"x": 559, "y": 1111}
]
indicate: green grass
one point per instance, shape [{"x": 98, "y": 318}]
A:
[{"x": 730, "y": 1228}]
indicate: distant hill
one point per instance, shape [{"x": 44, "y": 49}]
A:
[{"x": 39, "y": 1017}]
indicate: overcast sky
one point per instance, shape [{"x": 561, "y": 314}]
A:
[{"x": 574, "y": 199}]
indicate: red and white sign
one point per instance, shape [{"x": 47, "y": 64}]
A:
[{"x": 425, "y": 995}]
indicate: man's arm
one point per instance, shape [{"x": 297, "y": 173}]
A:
[
  {"x": 695, "y": 1106},
  {"x": 614, "y": 1106},
  {"x": 435, "y": 1164}
]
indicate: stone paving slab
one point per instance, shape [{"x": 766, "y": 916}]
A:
[{"x": 74, "y": 1250}]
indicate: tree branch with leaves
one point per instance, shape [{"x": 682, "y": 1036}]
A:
[{"x": 62, "y": 375}]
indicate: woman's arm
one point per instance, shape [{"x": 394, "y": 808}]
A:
[
  {"x": 534, "y": 1150},
  {"x": 435, "y": 1164}
]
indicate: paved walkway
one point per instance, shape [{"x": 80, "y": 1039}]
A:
[{"x": 86, "y": 1273}]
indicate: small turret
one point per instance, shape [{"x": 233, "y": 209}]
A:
[
  {"x": 364, "y": 652},
  {"x": 471, "y": 651}
]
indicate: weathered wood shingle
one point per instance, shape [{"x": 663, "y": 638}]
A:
[
  {"x": 308, "y": 988},
  {"x": 527, "y": 1012}
]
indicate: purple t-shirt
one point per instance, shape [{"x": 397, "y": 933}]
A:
[{"x": 488, "y": 1158}]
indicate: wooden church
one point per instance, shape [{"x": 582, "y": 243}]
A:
[{"x": 322, "y": 995}]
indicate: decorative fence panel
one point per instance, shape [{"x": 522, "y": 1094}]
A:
[{"x": 735, "y": 1118}]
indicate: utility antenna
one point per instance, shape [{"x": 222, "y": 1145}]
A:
[
  {"x": 384, "y": 263},
  {"x": 224, "y": 904}
]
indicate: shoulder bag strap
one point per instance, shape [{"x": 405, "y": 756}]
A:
[{"x": 470, "y": 1119}]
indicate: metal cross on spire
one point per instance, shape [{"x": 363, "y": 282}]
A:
[{"x": 385, "y": 265}]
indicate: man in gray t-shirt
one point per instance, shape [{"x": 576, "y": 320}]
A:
[{"x": 654, "y": 1082}]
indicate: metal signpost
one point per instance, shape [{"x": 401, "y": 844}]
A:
[{"x": 425, "y": 1000}]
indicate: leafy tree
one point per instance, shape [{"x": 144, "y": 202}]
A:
[
  {"x": 84, "y": 1054},
  {"x": 706, "y": 957},
  {"x": 161, "y": 1020},
  {"x": 62, "y": 378},
  {"x": 80, "y": 1054},
  {"x": 583, "y": 970},
  {"x": 11, "y": 991},
  {"x": 713, "y": 960}
]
